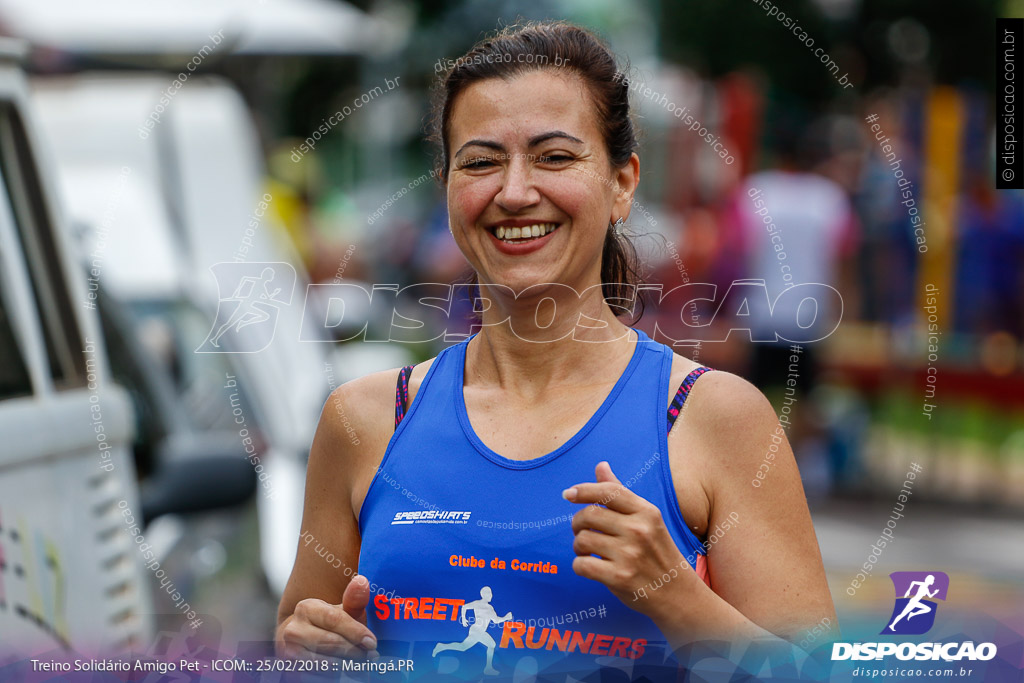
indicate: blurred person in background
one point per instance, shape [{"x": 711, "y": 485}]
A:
[
  {"x": 798, "y": 227},
  {"x": 539, "y": 164},
  {"x": 990, "y": 292}
]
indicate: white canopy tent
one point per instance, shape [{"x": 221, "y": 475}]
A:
[{"x": 260, "y": 27}]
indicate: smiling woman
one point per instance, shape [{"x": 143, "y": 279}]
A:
[
  {"x": 584, "y": 87},
  {"x": 540, "y": 415}
]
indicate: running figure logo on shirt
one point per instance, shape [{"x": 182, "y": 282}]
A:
[
  {"x": 483, "y": 616},
  {"x": 914, "y": 613},
  {"x": 257, "y": 292}
]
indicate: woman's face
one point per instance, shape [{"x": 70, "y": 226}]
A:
[{"x": 527, "y": 155}]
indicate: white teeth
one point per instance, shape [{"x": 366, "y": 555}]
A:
[{"x": 527, "y": 232}]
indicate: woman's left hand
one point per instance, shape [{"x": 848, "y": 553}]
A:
[{"x": 636, "y": 555}]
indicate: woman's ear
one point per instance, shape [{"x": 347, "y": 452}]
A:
[{"x": 626, "y": 180}]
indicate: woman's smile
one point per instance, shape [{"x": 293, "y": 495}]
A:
[{"x": 522, "y": 236}]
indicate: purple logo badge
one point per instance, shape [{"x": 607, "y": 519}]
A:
[{"x": 916, "y": 592}]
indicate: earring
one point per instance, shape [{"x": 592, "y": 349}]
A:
[{"x": 617, "y": 226}]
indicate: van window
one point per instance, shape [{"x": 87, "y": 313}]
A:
[
  {"x": 14, "y": 379},
  {"x": 34, "y": 226}
]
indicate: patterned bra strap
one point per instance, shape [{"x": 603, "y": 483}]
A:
[
  {"x": 402, "y": 393},
  {"x": 684, "y": 391}
]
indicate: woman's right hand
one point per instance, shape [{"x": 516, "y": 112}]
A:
[{"x": 317, "y": 627}]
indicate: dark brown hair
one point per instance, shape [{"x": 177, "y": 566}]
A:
[{"x": 519, "y": 49}]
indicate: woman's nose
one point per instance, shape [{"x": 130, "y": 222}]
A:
[{"x": 517, "y": 191}]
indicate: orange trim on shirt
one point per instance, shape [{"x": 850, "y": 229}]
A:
[{"x": 702, "y": 569}]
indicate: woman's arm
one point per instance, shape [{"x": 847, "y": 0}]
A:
[
  {"x": 319, "y": 610},
  {"x": 767, "y": 565}
]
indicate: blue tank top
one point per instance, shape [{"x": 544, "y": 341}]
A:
[{"x": 451, "y": 529}]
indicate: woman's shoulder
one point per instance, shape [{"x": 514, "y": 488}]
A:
[
  {"x": 370, "y": 400},
  {"x": 356, "y": 424},
  {"x": 722, "y": 405}
]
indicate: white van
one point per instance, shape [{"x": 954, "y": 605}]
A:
[
  {"x": 71, "y": 574},
  {"x": 73, "y": 570}
]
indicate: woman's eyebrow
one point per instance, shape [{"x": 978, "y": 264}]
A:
[
  {"x": 490, "y": 144},
  {"x": 544, "y": 137}
]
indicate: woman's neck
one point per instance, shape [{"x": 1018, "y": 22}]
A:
[{"x": 531, "y": 345}]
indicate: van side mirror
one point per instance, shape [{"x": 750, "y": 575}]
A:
[{"x": 196, "y": 473}]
